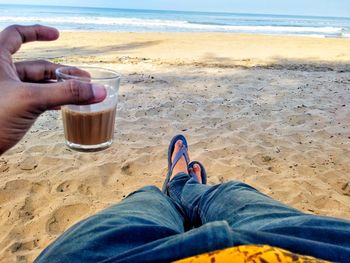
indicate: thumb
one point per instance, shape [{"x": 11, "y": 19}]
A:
[{"x": 69, "y": 92}]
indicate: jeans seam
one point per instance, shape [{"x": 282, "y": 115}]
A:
[
  {"x": 173, "y": 189},
  {"x": 201, "y": 215},
  {"x": 192, "y": 208}
]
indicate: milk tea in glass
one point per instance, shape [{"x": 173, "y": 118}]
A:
[{"x": 90, "y": 127}]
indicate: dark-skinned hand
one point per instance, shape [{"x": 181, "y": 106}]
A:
[{"x": 24, "y": 95}]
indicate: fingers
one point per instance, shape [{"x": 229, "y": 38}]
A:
[
  {"x": 34, "y": 71},
  {"x": 12, "y": 37},
  {"x": 69, "y": 72},
  {"x": 49, "y": 96},
  {"x": 42, "y": 70}
]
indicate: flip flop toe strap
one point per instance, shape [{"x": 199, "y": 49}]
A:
[{"x": 182, "y": 152}]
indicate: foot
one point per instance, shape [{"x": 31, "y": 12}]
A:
[
  {"x": 197, "y": 171},
  {"x": 181, "y": 165}
]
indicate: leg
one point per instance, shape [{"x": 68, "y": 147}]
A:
[
  {"x": 143, "y": 217},
  {"x": 258, "y": 219},
  {"x": 145, "y": 227}
]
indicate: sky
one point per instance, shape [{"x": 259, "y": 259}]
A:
[{"x": 287, "y": 7}]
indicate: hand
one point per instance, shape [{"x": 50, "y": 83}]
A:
[{"x": 23, "y": 94}]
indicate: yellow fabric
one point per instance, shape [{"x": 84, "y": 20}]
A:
[{"x": 251, "y": 253}]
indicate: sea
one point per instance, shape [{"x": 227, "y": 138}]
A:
[{"x": 133, "y": 20}]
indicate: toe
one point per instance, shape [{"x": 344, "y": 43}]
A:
[{"x": 197, "y": 172}]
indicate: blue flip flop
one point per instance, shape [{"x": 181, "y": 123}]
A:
[
  {"x": 203, "y": 172},
  {"x": 182, "y": 152}
]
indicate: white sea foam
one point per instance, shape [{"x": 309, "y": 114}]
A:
[
  {"x": 113, "y": 23},
  {"x": 97, "y": 21}
]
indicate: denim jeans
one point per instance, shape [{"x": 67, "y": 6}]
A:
[{"x": 149, "y": 226}]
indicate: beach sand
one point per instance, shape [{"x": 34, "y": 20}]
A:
[{"x": 269, "y": 111}]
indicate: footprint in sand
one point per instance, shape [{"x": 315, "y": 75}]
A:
[
  {"x": 346, "y": 189},
  {"x": 37, "y": 196},
  {"x": 28, "y": 163},
  {"x": 14, "y": 190},
  {"x": 41, "y": 187},
  {"x": 26, "y": 245},
  {"x": 66, "y": 216},
  {"x": 74, "y": 185},
  {"x": 26, "y": 212},
  {"x": 65, "y": 186},
  {"x": 84, "y": 189},
  {"x": 135, "y": 166},
  {"x": 3, "y": 166}
]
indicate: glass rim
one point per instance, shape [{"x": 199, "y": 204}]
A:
[{"x": 59, "y": 73}]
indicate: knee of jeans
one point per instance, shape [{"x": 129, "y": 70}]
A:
[
  {"x": 149, "y": 188},
  {"x": 180, "y": 177},
  {"x": 236, "y": 185}
]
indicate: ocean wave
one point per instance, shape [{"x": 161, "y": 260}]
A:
[
  {"x": 96, "y": 20},
  {"x": 158, "y": 25},
  {"x": 207, "y": 23}
]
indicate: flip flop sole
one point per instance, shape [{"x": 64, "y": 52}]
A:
[
  {"x": 170, "y": 152},
  {"x": 203, "y": 171}
]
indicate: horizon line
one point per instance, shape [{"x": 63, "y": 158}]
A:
[{"x": 171, "y": 10}]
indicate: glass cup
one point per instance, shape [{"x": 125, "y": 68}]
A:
[{"x": 90, "y": 127}]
